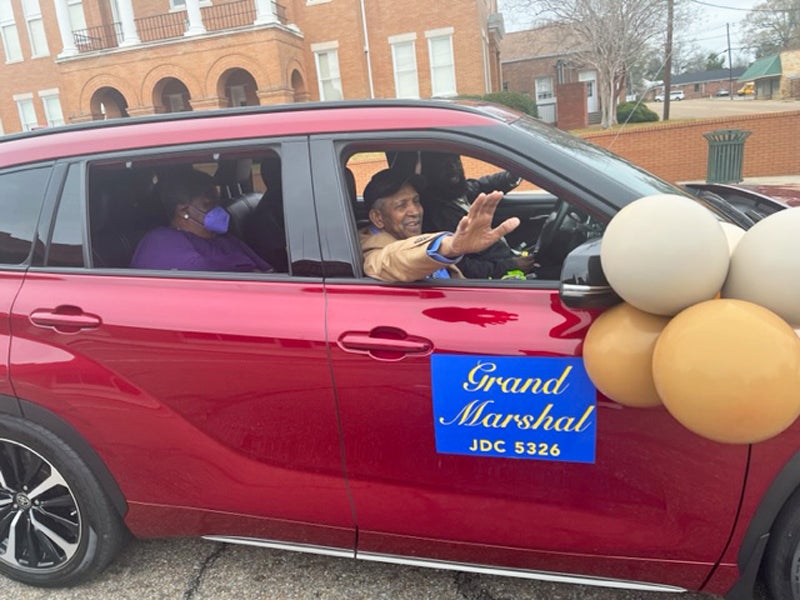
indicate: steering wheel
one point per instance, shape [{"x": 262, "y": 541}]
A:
[{"x": 550, "y": 228}]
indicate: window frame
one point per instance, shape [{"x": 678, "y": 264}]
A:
[
  {"x": 49, "y": 191},
  {"x": 330, "y": 49},
  {"x": 400, "y": 41},
  {"x": 332, "y": 154},
  {"x": 433, "y": 37},
  {"x": 298, "y": 205},
  {"x": 26, "y": 100},
  {"x": 34, "y": 22},
  {"x": 48, "y": 96},
  {"x": 8, "y": 24}
]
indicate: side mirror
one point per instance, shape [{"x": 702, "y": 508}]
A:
[{"x": 583, "y": 283}]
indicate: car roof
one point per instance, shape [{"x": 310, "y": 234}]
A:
[{"x": 246, "y": 122}]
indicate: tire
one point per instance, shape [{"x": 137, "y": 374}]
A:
[
  {"x": 781, "y": 565},
  {"x": 57, "y": 526}
]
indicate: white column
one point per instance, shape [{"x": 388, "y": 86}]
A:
[
  {"x": 265, "y": 13},
  {"x": 196, "y": 26},
  {"x": 130, "y": 37},
  {"x": 65, "y": 29}
]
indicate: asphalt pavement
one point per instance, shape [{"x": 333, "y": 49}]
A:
[{"x": 194, "y": 569}]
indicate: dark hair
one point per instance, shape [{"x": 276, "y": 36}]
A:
[
  {"x": 179, "y": 186},
  {"x": 387, "y": 182}
]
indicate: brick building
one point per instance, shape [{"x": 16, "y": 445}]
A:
[
  {"x": 543, "y": 62},
  {"x": 76, "y": 60}
]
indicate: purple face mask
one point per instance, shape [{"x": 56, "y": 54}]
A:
[{"x": 217, "y": 220}]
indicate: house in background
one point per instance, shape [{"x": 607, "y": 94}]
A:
[
  {"x": 704, "y": 84},
  {"x": 66, "y": 61},
  {"x": 543, "y": 63},
  {"x": 776, "y": 76}
]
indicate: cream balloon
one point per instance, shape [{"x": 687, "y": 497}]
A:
[
  {"x": 729, "y": 370},
  {"x": 733, "y": 233},
  {"x": 765, "y": 267},
  {"x": 663, "y": 253},
  {"x": 618, "y": 352}
]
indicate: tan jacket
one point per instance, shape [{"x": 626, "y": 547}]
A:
[{"x": 390, "y": 259}]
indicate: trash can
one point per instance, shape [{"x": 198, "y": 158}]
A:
[{"x": 725, "y": 155}]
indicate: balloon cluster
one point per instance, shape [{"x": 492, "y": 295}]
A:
[{"x": 707, "y": 327}]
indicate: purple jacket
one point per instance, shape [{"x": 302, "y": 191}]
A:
[{"x": 168, "y": 248}]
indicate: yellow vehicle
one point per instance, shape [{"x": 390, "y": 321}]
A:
[{"x": 748, "y": 89}]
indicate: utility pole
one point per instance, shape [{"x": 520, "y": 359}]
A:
[
  {"x": 668, "y": 61},
  {"x": 730, "y": 64}
]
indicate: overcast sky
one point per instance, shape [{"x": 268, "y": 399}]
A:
[{"x": 708, "y": 30}]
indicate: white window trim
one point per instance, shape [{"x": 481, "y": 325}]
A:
[
  {"x": 395, "y": 71},
  {"x": 29, "y": 18},
  {"x": 26, "y": 97},
  {"x": 11, "y": 21},
  {"x": 402, "y": 37},
  {"x": 324, "y": 48},
  {"x": 52, "y": 93},
  {"x": 441, "y": 32},
  {"x": 448, "y": 34},
  {"x": 313, "y": 2}
]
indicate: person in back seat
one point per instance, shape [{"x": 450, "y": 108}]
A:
[{"x": 196, "y": 238}]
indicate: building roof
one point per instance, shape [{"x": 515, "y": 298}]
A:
[
  {"x": 541, "y": 42},
  {"x": 769, "y": 66},
  {"x": 704, "y": 76}
]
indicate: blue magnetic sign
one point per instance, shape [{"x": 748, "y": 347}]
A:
[{"x": 539, "y": 408}]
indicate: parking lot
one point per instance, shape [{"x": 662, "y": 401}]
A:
[{"x": 706, "y": 108}]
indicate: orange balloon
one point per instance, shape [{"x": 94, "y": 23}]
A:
[
  {"x": 618, "y": 352},
  {"x": 729, "y": 370}
]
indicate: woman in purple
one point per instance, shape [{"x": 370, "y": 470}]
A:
[{"x": 196, "y": 238}]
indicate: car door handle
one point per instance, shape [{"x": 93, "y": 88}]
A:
[
  {"x": 64, "y": 319},
  {"x": 386, "y": 343}
]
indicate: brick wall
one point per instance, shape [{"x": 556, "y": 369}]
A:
[
  {"x": 572, "y": 106},
  {"x": 679, "y": 152}
]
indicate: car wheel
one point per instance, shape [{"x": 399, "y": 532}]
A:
[
  {"x": 57, "y": 526},
  {"x": 782, "y": 558}
]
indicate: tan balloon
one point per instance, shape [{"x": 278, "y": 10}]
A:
[
  {"x": 729, "y": 370},
  {"x": 663, "y": 253},
  {"x": 618, "y": 352},
  {"x": 765, "y": 267},
  {"x": 733, "y": 233}
]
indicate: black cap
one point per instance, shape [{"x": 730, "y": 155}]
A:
[{"x": 387, "y": 182}]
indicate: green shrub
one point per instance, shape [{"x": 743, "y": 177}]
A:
[
  {"x": 633, "y": 112},
  {"x": 515, "y": 100}
]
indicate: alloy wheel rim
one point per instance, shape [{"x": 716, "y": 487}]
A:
[{"x": 40, "y": 525}]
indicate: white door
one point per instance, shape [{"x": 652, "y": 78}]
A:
[
  {"x": 546, "y": 99},
  {"x": 590, "y": 77}
]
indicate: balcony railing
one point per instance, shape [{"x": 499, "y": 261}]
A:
[
  {"x": 218, "y": 17},
  {"x": 98, "y": 38}
]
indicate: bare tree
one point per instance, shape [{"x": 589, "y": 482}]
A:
[
  {"x": 773, "y": 26},
  {"x": 614, "y": 34}
]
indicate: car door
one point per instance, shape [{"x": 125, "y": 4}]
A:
[
  {"x": 208, "y": 396},
  {"x": 460, "y": 447}
]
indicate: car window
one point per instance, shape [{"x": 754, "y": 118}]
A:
[
  {"x": 66, "y": 244},
  {"x": 209, "y": 211},
  {"x": 453, "y": 178},
  {"x": 21, "y": 202}
]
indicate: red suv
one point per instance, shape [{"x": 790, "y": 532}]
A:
[{"x": 312, "y": 408}]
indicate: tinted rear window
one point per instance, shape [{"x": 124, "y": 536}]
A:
[{"x": 21, "y": 196}]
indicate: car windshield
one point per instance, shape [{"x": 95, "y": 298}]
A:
[{"x": 599, "y": 159}]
